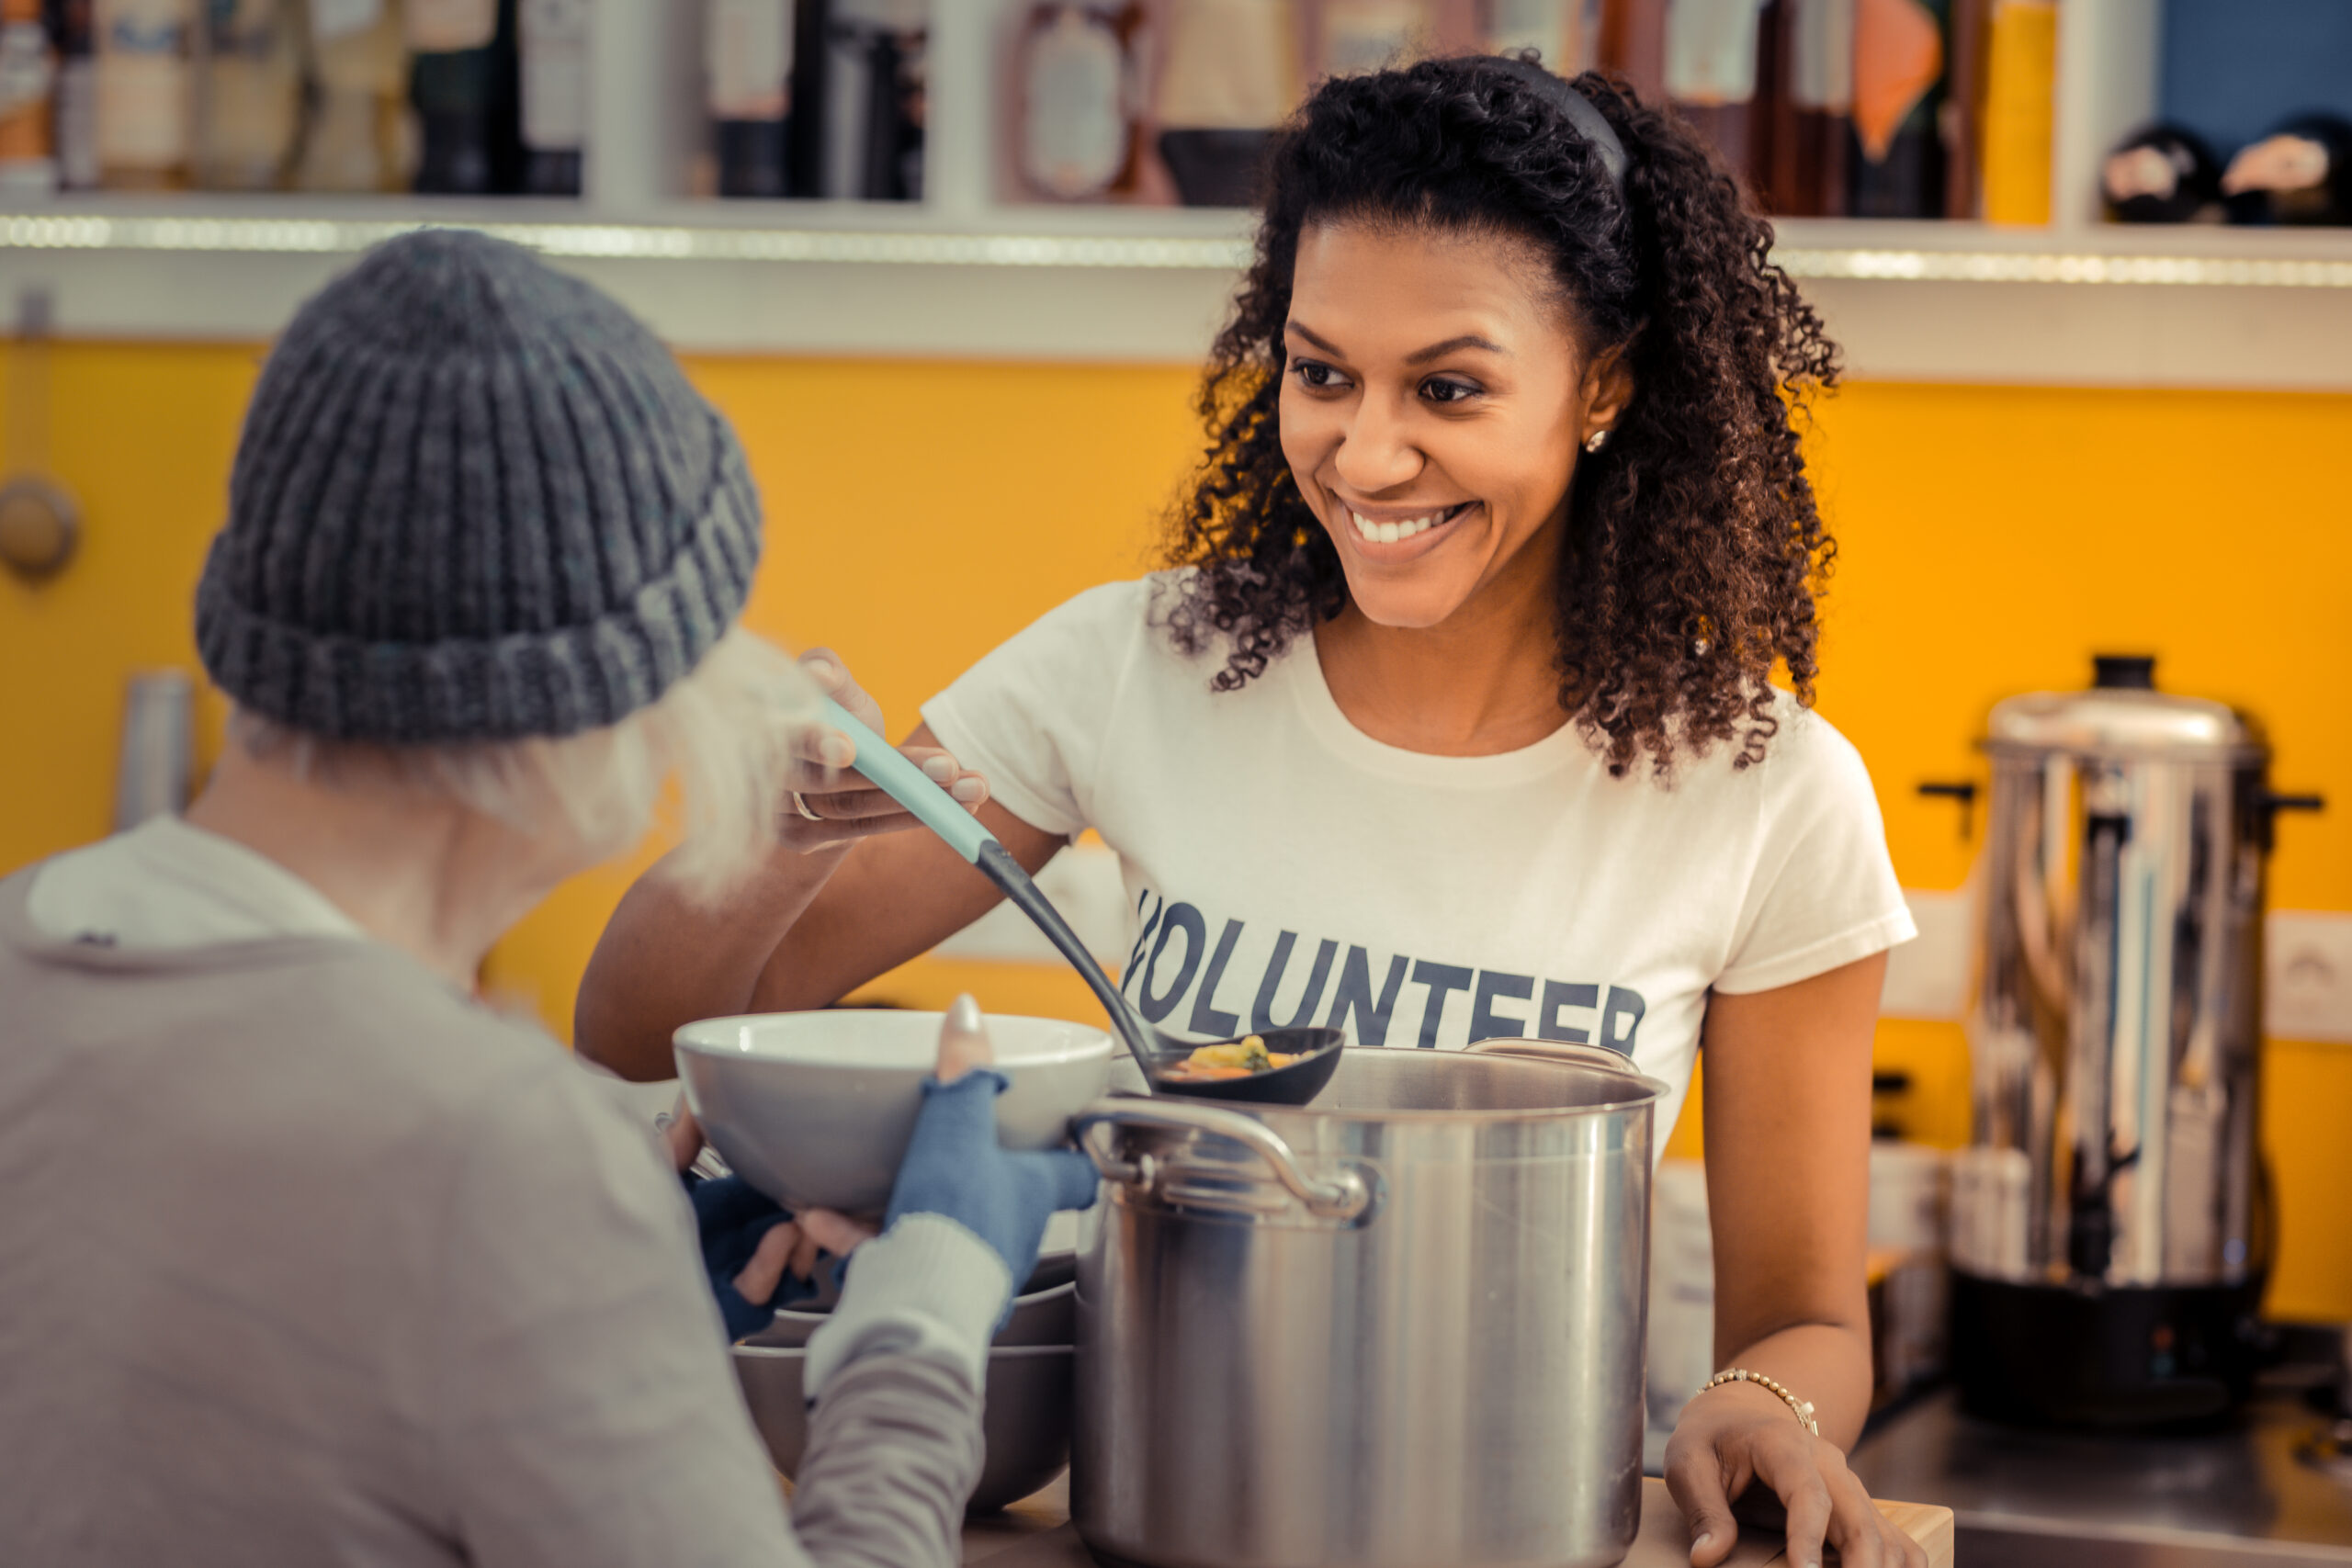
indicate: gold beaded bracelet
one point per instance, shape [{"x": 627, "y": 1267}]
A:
[{"x": 1804, "y": 1407}]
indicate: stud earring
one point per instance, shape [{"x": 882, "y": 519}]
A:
[{"x": 1597, "y": 440}]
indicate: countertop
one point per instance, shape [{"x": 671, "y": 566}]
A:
[
  {"x": 2239, "y": 1497},
  {"x": 1037, "y": 1534}
]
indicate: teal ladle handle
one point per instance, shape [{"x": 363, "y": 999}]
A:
[
  {"x": 943, "y": 814},
  {"x": 911, "y": 788}
]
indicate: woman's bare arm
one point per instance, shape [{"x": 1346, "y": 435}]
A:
[
  {"x": 1788, "y": 1119},
  {"x": 808, "y": 927},
  {"x": 1788, "y": 1127},
  {"x": 894, "y": 899}
]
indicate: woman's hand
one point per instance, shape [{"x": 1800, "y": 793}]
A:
[
  {"x": 731, "y": 1216},
  {"x": 829, "y": 804},
  {"x": 1737, "y": 1433}
]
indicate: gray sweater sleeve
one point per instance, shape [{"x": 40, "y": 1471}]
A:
[
  {"x": 584, "y": 1409},
  {"x": 894, "y": 1449}
]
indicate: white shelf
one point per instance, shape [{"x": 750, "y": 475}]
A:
[
  {"x": 1921, "y": 301},
  {"x": 1155, "y": 239},
  {"x": 958, "y": 275}
]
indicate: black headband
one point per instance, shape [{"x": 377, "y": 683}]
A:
[{"x": 1588, "y": 120}]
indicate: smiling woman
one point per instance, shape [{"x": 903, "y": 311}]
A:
[
  {"x": 1455, "y": 719},
  {"x": 1624, "y": 321}
]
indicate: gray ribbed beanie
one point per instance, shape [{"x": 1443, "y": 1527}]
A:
[{"x": 475, "y": 499}]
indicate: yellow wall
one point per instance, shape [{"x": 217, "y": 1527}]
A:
[{"x": 1991, "y": 538}]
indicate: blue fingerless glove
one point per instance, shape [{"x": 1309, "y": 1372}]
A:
[
  {"x": 954, "y": 1168},
  {"x": 731, "y": 1218}
]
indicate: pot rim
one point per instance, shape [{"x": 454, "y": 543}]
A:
[
  {"x": 797, "y": 1352},
  {"x": 1648, "y": 1092}
]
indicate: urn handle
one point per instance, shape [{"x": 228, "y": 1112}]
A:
[{"x": 1343, "y": 1195}]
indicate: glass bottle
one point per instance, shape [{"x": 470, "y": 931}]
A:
[
  {"x": 462, "y": 79},
  {"x": 552, "y": 39},
  {"x": 1232, "y": 75},
  {"x": 146, "y": 93},
  {"x": 28, "y": 89},
  {"x": 2019, "y": 117},
  {"x": 1711, "y": 59},
  {"x": 747, "y": 58},
  {"x": 1366, "y": 35},
  {"x": 873, "y": 108},
  {"x": 1802, "y": 169},
  {"x": 1079, "y": 99},
  {"x": 251, "y": 106},
  {"x": 1563, "y": 33},
  {"x": 73, "y": 24},
  {"x": 1900, "y": 62},
  {"x": 360, "y": 137}
]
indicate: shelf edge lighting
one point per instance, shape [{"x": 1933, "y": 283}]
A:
[
  {"x": 315, "y": 236},
  {"x": 683, "y": 243}
]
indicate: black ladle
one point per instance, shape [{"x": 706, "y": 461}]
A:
[{"x": 1155, "y": 1052}]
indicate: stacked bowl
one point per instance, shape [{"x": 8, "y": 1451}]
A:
[
  {"x": 1025, "y": 1413},
  {"x": 816, "y": 1109}
]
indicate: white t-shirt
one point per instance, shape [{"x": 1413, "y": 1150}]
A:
[{"x": 1283, "y": 867}]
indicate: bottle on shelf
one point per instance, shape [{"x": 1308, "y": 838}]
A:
[
  {"x": 1967, "y": 99},
  {"x": 360, "y": 136},
  {"x": 552, "y": 39},
  {"x": 74, "y": 119},
  {"x": 249, "y": 113},
  {"x": 1710, "y": 60},
  {"x": 146, "y": 93},
  {"x": 1231, "y": 75},
  {"x": 462, "y": 79},
  {"x": 873, "y": 112},
  {"x": 806, "y": 118},
  {"x": 28, "y": 100},
  {"x": 1077, "y": 65},
  {"x": 1801, "y": 123},
  {"x": 2019, "y": 116},
  {"x": 1774, "y": 137},
  {"x": 747, "y": 60},
  {"x": 1899, "y": 64},
  {"x": 1367, "y": 35},
  {"x": 1632, "y": 43},
  {"x": 2161, "y": 173},
  {"x": 1810, "y": 159},
  {"x": 1565, "y": 34},
  {"x": 2300, "y": 173}
]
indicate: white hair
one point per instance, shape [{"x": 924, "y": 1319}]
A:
[{"x": 724, "y": 732}]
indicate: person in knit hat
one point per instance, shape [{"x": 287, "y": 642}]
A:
[{"x": 308, "y": 1255}]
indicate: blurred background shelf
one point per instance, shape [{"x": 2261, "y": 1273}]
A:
[
  {"x": 975, "y": 264},
  {"x": 1909, "y": 300}
]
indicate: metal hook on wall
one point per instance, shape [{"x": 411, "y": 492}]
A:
[{"x": 41, "y": 523}]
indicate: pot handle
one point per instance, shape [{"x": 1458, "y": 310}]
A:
[
  {"x": 1343, "y": 1196},
  {"x": 1550, "y": 1051}
]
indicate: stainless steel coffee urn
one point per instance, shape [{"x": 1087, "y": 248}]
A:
[{"x": 2111, "y": 1228}]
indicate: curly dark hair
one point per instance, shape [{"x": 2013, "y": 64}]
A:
[{"x": 1693, "y": 549}]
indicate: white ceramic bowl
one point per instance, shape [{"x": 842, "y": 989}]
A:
[{"x": 815, "y": 1109}]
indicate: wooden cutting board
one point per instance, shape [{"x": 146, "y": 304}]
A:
[{"x": 1037, "y": 1534}]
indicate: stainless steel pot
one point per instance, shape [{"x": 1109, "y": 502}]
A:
[{"x": 1402, "y": 1326}]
